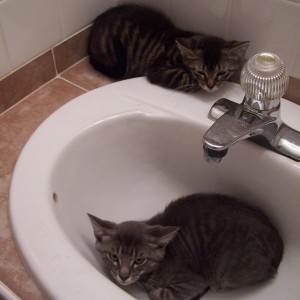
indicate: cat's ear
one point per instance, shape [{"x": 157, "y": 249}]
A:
[
  {"x": 186, "y": 46},
  {"x": 190, "y": 42},
  {"x": 236, "y": 48},
  {"x": 103, "y": 229},
  {"x": 184, "y": 50},
  {"x": 161, "y": 236}
]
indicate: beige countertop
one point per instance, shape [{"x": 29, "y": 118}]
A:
[{"x": 16, "y": 126}]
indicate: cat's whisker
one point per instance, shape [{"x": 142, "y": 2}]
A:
[
  {"x": 145, "y": 286},
  {"x": 149, "y": 284},
  {"x": 192, "y": 89},
  {"x": 141, "y": 285},
  {"x": 186, "y": 86},
  {"x": 189, "y": 88},
  {"x": 152, "y": 281}
]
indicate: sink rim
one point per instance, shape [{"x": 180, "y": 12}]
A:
[{"x": 135, "y": 99}]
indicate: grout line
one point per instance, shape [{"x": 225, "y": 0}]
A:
[
  {"x": 72, "y": 35},
  {"x": 42, "y": 53},
  {"x": 5, "y": 49},
  {"x": 297, "y": 56},
  {"x": 70, "y": 82},
  {"x": 228, "y": 25},
  {"x": 77, "y": 62},
  {"x": 25, "y": 64},
  {"x": 58, "y": 76},
  {"x": 60, "y": 16},
  {"x": 25, "y": 98},
  {"x": 49, "y": 81},
  {"x": 36, "y": 90},
  {"x": 54, "y": 61}
]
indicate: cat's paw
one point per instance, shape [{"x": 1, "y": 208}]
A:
[{"x": 161, "y": 293}]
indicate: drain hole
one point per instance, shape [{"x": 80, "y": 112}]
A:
[{"x": 55, "y": 198}]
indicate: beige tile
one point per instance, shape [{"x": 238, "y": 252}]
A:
[
  {"x": 274, "y": 27},
  {"x": 25, "y": 80},
  {"x": 29, "y": 28},
  {"x": 16, "y": 126},
  {"x": 71, "y": 51},
  {"x": 293, "y": 91},
  {"x": 76, "y": 14},
  {"x": 84, "y": 75}
]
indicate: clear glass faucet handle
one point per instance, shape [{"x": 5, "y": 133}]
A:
[{"x": 264, "y": 77}]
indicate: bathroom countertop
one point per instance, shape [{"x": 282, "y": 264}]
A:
[{"x": 16, "y": 126}]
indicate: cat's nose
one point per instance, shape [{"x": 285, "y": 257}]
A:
[
  {"x": 210, "y": 83},
  {"x": 124, "y": 274}
]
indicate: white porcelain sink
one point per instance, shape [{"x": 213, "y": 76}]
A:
[{"x": 123, "y": 152}]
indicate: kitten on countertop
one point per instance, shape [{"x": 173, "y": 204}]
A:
[
  {"x": 130, "y": 41},
  {"x": 198, "y": 243}
]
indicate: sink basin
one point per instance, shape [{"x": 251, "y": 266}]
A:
[{"x": 122, "y": 152}]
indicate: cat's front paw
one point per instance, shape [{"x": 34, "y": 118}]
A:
[
  {"x": 178, "y": 293},
  {"x": 188, "y": 83},
  {"x": 161, "y": 293}
]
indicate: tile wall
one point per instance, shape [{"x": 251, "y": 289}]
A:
[{"x": 29, "y": 28}]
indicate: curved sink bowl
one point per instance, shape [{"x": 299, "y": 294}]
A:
[{"x": 123, "y": 152}]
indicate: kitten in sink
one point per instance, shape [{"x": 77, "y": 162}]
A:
[
  {"x": 130, "y": 41},
  {"x": 198, "y": 243}
]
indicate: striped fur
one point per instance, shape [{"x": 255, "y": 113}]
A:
[
  {"x": 130, "y": 41},
  {"x": 197, "y": 243}
]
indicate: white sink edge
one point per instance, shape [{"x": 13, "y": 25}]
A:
[{"x": 158, "y": 102}]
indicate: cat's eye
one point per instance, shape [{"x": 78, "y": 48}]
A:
[
  {"x": 140, "y": 261},
  {"x": 113, "y": 257},
  {"x": 222, "y": 73},
  {"x": 202, "y": 74}
]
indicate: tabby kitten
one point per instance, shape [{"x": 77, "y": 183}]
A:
[
  {"x": 197, "y": 243},
  {"x": 130, "y": 41}
]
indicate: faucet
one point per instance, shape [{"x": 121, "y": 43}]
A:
[{"x": 264, "y": 81}]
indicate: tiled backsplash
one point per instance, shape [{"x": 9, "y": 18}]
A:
[
  {"x": 29, "y": 28},
  {"x": 42, "y": 69},
  {"x": 33, "y": 34}
]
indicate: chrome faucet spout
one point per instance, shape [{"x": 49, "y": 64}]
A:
[
  {"x": 264, "y": 81},
  {"x": 238, "y": 123}
]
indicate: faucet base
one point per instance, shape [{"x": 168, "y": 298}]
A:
[{"x": 237, "y": 122}]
